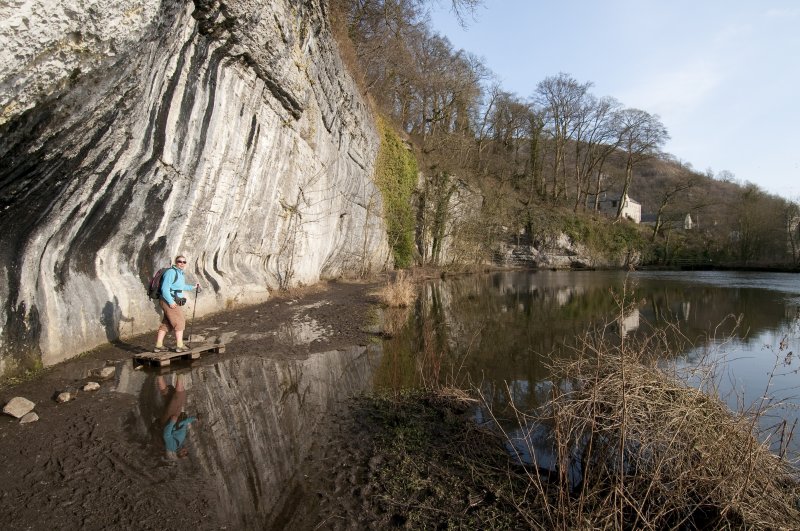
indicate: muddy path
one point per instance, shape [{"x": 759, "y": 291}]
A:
[{"x": 100, "y": 461}]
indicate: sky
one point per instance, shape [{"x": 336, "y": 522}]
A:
[{"x": 723, "y": 75}]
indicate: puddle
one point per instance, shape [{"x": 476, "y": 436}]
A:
[
  {"x": 256, "y": 421},
  {"x": 301, "y": 332},
  {"x": 318, "y": 304}
]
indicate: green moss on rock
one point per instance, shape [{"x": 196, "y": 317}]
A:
[{"x": 396, "y": 177}]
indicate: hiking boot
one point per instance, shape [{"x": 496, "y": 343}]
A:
[{"x": 181, "y": 349}]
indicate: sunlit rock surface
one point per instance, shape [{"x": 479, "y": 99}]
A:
[
  {"x": 133, "y": 131},
  {"x": 560, "y": 252},
  {"x": 257, "y": 422}
]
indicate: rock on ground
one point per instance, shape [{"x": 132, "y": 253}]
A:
[
  {"x": 29, "y": 417},
  {"x": 104, "y": 373},
  {"x": 18, "y": 407},
  {"x": 65, "y": 396}
]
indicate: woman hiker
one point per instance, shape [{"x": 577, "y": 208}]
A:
[{"x": 172, "y": 286}]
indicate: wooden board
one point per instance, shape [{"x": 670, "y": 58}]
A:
[{"x": 162, "y": 359}]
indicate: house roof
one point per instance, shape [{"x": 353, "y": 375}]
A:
[{"x": 615, "y": 198}]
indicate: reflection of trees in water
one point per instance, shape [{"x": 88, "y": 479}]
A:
[
  {"x": 489, "y": 333},
  {"x": 486, "y": 330},
  {"x": 705, "y": 313}
]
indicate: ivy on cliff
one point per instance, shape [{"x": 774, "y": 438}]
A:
[{"x": 396, "y": 177}]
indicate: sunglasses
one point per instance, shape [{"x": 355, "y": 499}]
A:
[{"x": 180, "y": 262}]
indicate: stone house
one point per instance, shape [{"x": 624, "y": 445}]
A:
[{"x": 631, "y": 209}]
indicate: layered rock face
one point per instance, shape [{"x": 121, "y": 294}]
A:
[
  {"x": 560, "y": 252},
  {"x": 133, "y": 131}
]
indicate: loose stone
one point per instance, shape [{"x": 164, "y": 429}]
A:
[
  {"x": 18, "y": 407},
  {"x": 104, "y": 373},
  {"x": 91, "y": 386},
  {"x": 29, "y": 417},
  {"x": 65, "y": 396}
]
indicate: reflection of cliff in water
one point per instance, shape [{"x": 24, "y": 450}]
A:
[{"x": 257, "y": 417}]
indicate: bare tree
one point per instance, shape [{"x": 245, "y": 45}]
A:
[
  {"x": 561, "y": 97},
  {"x": 760, "y": 225},
  {"x": 676, "y": 190},
  {"x": 596, "y": 137},
  {"x": 641, "y": 136},
  {"x": 793, "y": 230}
]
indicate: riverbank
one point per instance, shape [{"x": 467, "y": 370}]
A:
[
  {"x": 82, "y": 464},
  {"x": 418, "y": 460},
  {"x": 281, "y": 442},
  {"x": 413, "y": 460}
]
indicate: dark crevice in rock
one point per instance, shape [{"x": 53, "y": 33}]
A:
[
  {"x": 212, "y": 75},
  {"x": 157, "y": 129},
  {"x": 197, "y": 62},
  {"x": 23, "y": 329},
  {"x": 252, "y": 134}
]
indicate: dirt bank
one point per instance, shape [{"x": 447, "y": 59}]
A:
[{"x": 77, "y": 467}]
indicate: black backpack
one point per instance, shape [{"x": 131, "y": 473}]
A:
[{"x": 154, "y": 289}]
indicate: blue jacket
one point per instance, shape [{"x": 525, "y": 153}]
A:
[
  {"x": 175, "y": 433},
  {"x": 172, "y": 284}
]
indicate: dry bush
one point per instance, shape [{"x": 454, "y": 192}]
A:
[
  {"x": 394, "y": 320},
  {"x": 652, "y": 452},
  {"x": 400, "y": 293}
]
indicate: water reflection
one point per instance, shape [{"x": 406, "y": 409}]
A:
[
  {"x": 258, "y": 422},
  {"x": 497, "y": 332},
  {"x": 160, "y": 419},
  {"x": 174, "y": 422},
  {"x": 628, "y": 322}
]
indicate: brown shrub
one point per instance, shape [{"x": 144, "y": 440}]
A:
[{"x": 400, "y": 293}]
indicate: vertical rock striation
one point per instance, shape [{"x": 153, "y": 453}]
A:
[
  {"x": 133, "y": 131},
  {"x": 259, "y": 418}
]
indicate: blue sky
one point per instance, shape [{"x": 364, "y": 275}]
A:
[{"x": 723, "y": 75}]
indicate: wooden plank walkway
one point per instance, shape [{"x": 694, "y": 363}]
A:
[{"x": 162, "y": 359}]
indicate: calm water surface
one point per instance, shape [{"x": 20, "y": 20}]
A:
[{"x": 498, "y": 332}]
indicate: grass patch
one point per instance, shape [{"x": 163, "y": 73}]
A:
[
  {"x": 400, "y": 292},
  {"x": 16, "y": 372},
  {"x": 438, "y": 469},
  {"x": 602, "y": 236},
  {"x": 635, "y": 446}
]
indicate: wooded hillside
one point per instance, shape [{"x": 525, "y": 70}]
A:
[{"x": 541, "y": 162}]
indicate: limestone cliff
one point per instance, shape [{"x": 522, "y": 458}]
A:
[{"x": 133, "y": 131}]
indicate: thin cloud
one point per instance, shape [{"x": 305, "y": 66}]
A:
[
  {"x": 732, "y": 34},
  {"x": 782, "y": 13},
  {"x": 677, "y": 91}
]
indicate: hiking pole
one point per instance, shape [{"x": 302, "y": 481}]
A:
[{"x": 194, "y": 309}]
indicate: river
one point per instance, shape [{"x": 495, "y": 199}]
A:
[{"x": 498, "y": 333}]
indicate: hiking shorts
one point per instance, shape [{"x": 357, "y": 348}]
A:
[{"x": 173, "y": 318}]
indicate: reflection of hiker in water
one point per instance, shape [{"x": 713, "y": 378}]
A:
[
  {"x": 174, "y": 420},
  {"x": 175, "y": 435}
]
